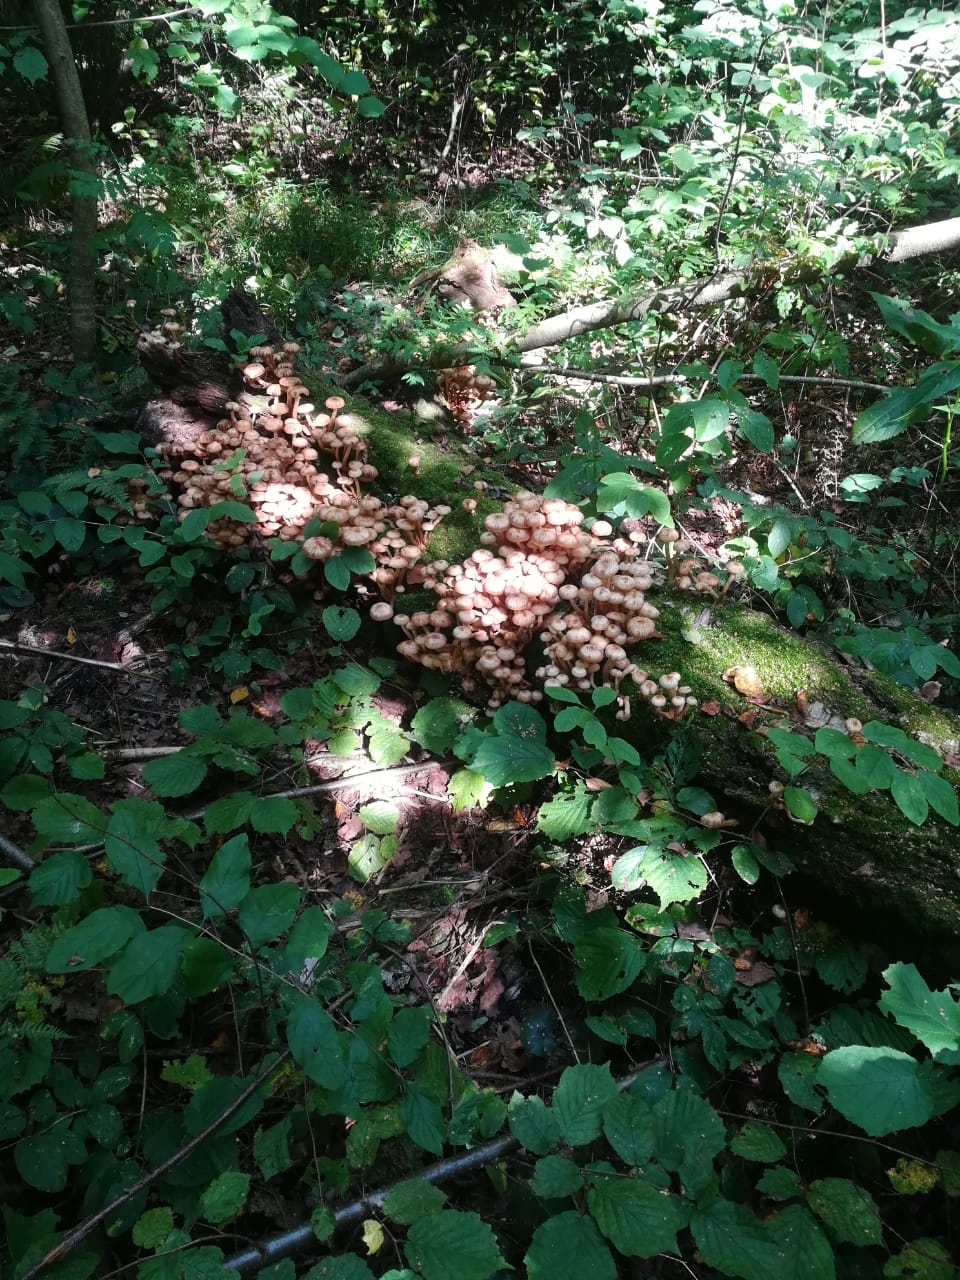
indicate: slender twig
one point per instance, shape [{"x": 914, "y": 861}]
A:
[
  {"x": 83, "y": 1229},
  {"x": 14, "y": 646},
  {"x": 15, "y": 856},
  {"x": 667, "y": 379},
  {"x": 116, "y": 22}
]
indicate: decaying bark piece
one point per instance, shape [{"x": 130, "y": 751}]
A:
[{"x": 470, "y": 277}]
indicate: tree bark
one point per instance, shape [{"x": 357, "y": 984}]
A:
[
  {"x": 900, "y": 246},
  {"x": 83, "y": 179}
]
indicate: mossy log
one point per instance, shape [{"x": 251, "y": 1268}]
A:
[{"x": 871, "y": 861}]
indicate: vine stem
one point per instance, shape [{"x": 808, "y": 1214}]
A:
[{"x": 83, "y": 1229}]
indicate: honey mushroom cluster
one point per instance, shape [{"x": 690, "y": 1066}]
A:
[
  {"x": 464, "y": 390},
  {"x": 687, "y": 573},
  {"x": 518, "y": 586}
]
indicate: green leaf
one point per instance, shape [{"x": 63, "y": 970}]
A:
[
  {"x": 408, "y": 1202},
  {"x": 131, "y": 846},
  {"x": 370, "y": 108},
  {"x": 41, "y": 1160},
  {"x": 69, "y": 819},
  {"x": 229, "y": 813},
  {"x": 579, "y": 1100},
  {"x": 505, "y": 761},
  {"x": 636, "y": 1216},
  {"x": 225, "y": 1197},
  {"x": 628, "y": 1127},
  {"x": 59, "y": 879},
  {"x": 382, "y": 817},
  {"x": 910, "y": 797},
  {"x": 879, "y": 1089},
  {"x": 767, "y": 369},
  {"x": 408, "y": 1033},
  {"x": 271, "y": 1148},
  {"x": 673, "y": 877},
  {"x": 889, "y": 417},
  {"x": 849, "y": 1211},
  {"x": 70, "y": 533},
  {"x": 932, "y": 1016},
  {"x": 689, "y": 1134},
  {"x": 97, "y": 937},
  {"x": 533, "y": 1124},
  {"x": 757, "y": 428},
  {"x": 731, "y": 1238},
  {"x": 148, "y": 965},
  {"x": 438, "y": 722},
  {"x": 934, "y": 338},
  {"x": 453, "y": 1240},
  {"x": 423, "y": 1120},
  {"x": 204, "y": 966},
  {"x": 152, "y": 1228},
  {"x": 467, "y": 788},
  {"x": 309, "y": 936},
  {"x": 745, "y": 864},
  {"x": 315, "y": 1043},
  {"x": 341, "y": 624},
  {"x": 555, "y": 1177},
  {"x": 273, "y": 815},
  {"x": 214, "y": 1099},
  {"x": 940, "y": 795},
  {"x": 621, "y": 491},
  {"x": 33, "y": 66},
  {"x": 799, "y": 803},
  {"x": 176, "y": 775},
  {"x": 268, "y": 911},
  {"x": 226, "y": 882},
  {"x": 567, "y": 814},
  {"x": 757, "y": 1141},
  {"x": 609, "y": 961},
  {"x": 569, "y": 1247}
]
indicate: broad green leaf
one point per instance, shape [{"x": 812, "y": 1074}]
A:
[
  {"x": 689, "y": 1134},
  {"x": 910, "y": 797},
  {"x": 889, "y": 417},
  {"x": 59, "y": 879},
  {"x": 579, "y": 1100},
  {"x": 152, "y": 1228},
  {"x": 915, "y": 325},
  {"x": 533, "y": 1124},
  {"x": 608, "y": 962},
  {"x": 802, "y": 1248},
  {"x": 42, "y": 1161},
  {"x": 757, "y": 1141},
  {"x": 148, "y": 964},
  {"x": 636, "y": 1216},
  {"x": 225, "y": 1197},
  {"x": 438, "y": 722},
  {"x": 745, "y": 864},
  {"x": 69, "y": 819},
  {"x": 468, "y": 788},
  {"x": 408, "y": 1202},
  {"x": 268, "y": 911},
  {"x": 271, "y": 1148},
  {"x": 228, "y": 813},
  {"x": 568, "y": 1247},
  {"x": 315, "y": 1043},
  {"x": 309, "y": 936},
  {"x": 226, "y": 882},
  {"x": 780, "y": 536},
  {"x": 757, "y": 428},
  {"x": 382, "y": 817},
  {"x": 505, "y": 761},
  {"x": 33, "y": 66},
  {"x": 408, "y": 1033},
  {"x": 176, "y": 775},
  {"x": 97, "y": 937},
  {"x": 566, "y": 815},
  {"x": 621, "y": 491},
  {"x": 423, "y": 1120},
  {"x": 673, "y": 877},
  {"x": 131, "y": 843},
  {"x": 204, "y": 965},
  {"x": 70, "y": 533},
  {"x": 451, "y": 1240},
  {"x": 731, "y": 1238},
  {"x": 800, "y": 804},
  {"x": 555, "y": 1177},
  {"x": 849, "y": 1211},
  {"x": 341, "y": 624},
  {"x": 214, "y": 1098},
  {"x": 940, "y": 795},
  {"x": 932, "y": 1016},
  {"x": 273, "y": 815},
  {"x": 879, "y": 1089},
  {"x": 628, "y": 1127}
]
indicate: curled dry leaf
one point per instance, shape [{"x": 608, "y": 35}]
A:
[{"x": 745, "y": 680}]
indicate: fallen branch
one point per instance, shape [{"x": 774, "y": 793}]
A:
[
  {"x": 667, "y": 379},
  {"x": 15, "y": 856},
  {"x": 14, "y": 646},
  {"x": 900, "y": 246}
]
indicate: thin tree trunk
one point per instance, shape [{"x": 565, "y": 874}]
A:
[{"x": 81, "y": 283}]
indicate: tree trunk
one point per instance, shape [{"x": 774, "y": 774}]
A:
[
  {"x": 83, "y": 179},
  {"x": 868, "y": 860}
]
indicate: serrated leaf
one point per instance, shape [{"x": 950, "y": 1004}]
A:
[
  {"x": 315, "y": 1043},
  {"x": 566, "y": 815},
  {"x": 94, "y": 939},
  {"x": 636, "y": 1217},
  {"x": 408, "y": 1202},
  {"x": 609, "y": 961},
  {"x": 69, "y": 819},
  {"x": 226, "y": 881},
  {"x": 879, "y": 1089},
  {"x": 41, "y": 1160},
  {"x": 382, "y": 817},
  {"x": 555, "y": 1177},
  {"x": 268, "y": 911},
  {"x": 176, "y": 775},
  {"x": 689, "y": 1135},
  {"x": 408, "y": 1033},
  {"x": 932, "y": 1016},
  {"x": 228, "y": 813},
  {"x": 423, "y": 1120},
  {"x": 673, "y": 877},
  {"x": 579, "y": 1100},
  {"x": 435, "y": 1241},
  {"x": 533, "y": 1124},
  {"x": 271, "y": 1148},
  {"x": 131, "y": 845},
  {"x": 757, "y": 1141},
  {"x": 849, "y": 1211},
  {"x": 309, "y": 936},
  {"x": 940, "y": 795},
  {"x": 273, "y": 815},
  {"x": 225, "y": 1196},
  {"x": 568, "y": 1247},
  {"x": 59, "y": 879},
  {"x": 628, "y": 1127},
  {"x": 148, "y": 964}
]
